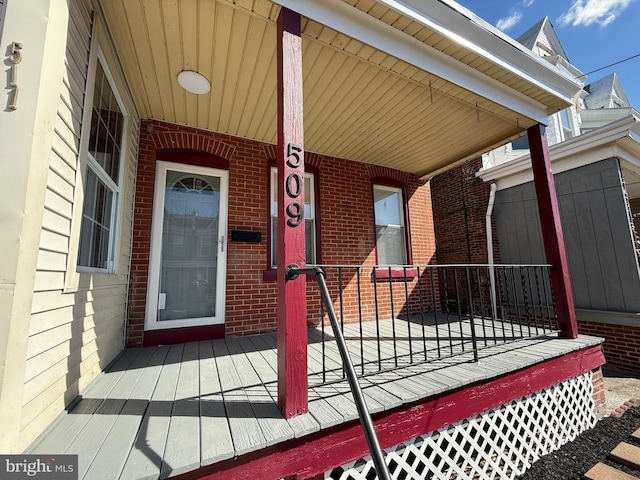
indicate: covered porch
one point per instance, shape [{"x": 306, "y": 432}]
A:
[
  {"x": 406, "y": 89},
  {"x": 357, "y": 90},
  {"x": 209, "y": 409},
  {"x": 475, "y": 362}
]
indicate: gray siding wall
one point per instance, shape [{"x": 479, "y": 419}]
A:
[{"x": 602, "y": 258}]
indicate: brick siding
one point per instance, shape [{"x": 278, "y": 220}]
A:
[
  {"x": 346, "y": 221},
  {"x": 622, "y": 342},
  {"x": 600, "y": 404},
  {"x": 460, "y": 201}
]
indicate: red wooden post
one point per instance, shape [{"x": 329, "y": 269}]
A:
[
  {"x": 292, "y": 303},
  {"x": 552, "y": 230}
]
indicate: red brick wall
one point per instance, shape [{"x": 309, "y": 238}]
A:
[
  {"x": 460, "y": 201},
  {"x": 599, "y": 400},
  {"x": 346, "y": 222},
  {"x": 622, "y": 342}
]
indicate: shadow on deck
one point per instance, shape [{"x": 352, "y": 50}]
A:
[{"x": 161, "y": 411}]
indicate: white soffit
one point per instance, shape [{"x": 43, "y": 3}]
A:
[{"x": 357, "y": 24}]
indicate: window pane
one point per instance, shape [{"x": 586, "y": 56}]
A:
[
  {"x": 566, "y": 125},
  {"x": 102, "y": 175},
  {"x": 310, "y": 241},
  {"x": 387, "y": 206},
  {"x": 274, "y": 242},
  {"x": 107, "y": 122},
  {"x": 308, "y": 195},
  {"x": 391, "y": 240},
  {"x": 309, "y": 214},
  {"x": 96, "y": 223}
]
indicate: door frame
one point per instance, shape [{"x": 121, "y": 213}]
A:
[{"x": 155, "y": 250}]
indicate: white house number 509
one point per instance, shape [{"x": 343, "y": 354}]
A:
[
  {"x": 15, "y": 57},
  {"x": 295, "y": 182}
]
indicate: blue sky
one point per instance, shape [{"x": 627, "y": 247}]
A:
[{"x": 594, "y": 33}]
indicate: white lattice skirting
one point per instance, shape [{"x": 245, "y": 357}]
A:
[{"x": 499, "y": 443}]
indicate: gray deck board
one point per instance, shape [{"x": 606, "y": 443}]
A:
[
  {"x": 265, "y": 344},
  {"x": 115, "y": 449},
  {"x": 112, "y": 375},
  {"x": 245, "y": 429},
  {"x": 90, "y": 440},
  {"x": 182, "y": 450},
  {"x": 58, "y": 437},
  {"x": 215, "y": 435},
  {"x": 158, "y": 412},
  {"x": 146, "y": 457},
  {"x": 274, "y": 427}
]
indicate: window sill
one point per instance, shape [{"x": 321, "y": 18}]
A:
[{"x": 392, "y": 273}]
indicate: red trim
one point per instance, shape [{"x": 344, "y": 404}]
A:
[
  {"x": 169, "y": 336},
  {"x": 292, "y": 294},
  {"x": 392, "y": 182},
  {"x": 324, "y": 450},
  {"x": 192, "y": 157},
  {"x": 552, "y": 230}
]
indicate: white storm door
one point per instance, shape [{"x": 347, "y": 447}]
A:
[{"x": 187, "y": 264}]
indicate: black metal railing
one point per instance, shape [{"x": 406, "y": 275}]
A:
[
  {"x": 395, "y": 316},
  {"x": 377, "y": 455}
]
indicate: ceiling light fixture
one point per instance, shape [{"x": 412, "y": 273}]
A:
[{"x": 194, "y": 82}]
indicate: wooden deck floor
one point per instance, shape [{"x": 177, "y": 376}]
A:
[{"x": 161, "y": 411}]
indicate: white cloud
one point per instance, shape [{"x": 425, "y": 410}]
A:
[
  {"x": 588, "y": 12},
  {"x": 506, "y": 23}
]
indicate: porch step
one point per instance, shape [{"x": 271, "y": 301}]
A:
[
  {"x": 626, "y": 454},
  {"x": 600, "y": 471}
]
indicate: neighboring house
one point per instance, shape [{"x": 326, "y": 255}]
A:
[
  {"x": 156, "y": 193},
  {"x": 595, "y": 152}
]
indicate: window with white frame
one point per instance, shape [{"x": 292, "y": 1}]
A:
[
  {"x": 102, "y": 182},
  {"x": 391, "y": 234},
  {"x": 566, "y": 123},
  {"x": 309, "y": 217}
]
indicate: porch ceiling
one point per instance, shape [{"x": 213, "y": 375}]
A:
[{"x": 360, "y": 102}]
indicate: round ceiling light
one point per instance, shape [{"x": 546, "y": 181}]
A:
[{"x": 194, "y": 82}]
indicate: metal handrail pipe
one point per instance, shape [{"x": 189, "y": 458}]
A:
[{"x": 292, "y": 272}]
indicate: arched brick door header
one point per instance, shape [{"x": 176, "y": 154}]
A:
[
  {"x": 192, "y": 157},
  {"x": 197, "y": 142}
]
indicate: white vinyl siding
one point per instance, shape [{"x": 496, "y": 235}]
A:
[{"x": 73, "y": 333}]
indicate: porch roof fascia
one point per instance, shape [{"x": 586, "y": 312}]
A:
[
  {"x": 449, "y": 19},
  {"x": 620, "y": 139}
]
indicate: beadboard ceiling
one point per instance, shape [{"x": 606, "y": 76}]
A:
[{"x": 359, "y": 102}]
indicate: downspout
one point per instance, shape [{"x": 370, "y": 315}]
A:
[{"x": 492, "y": 275}]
